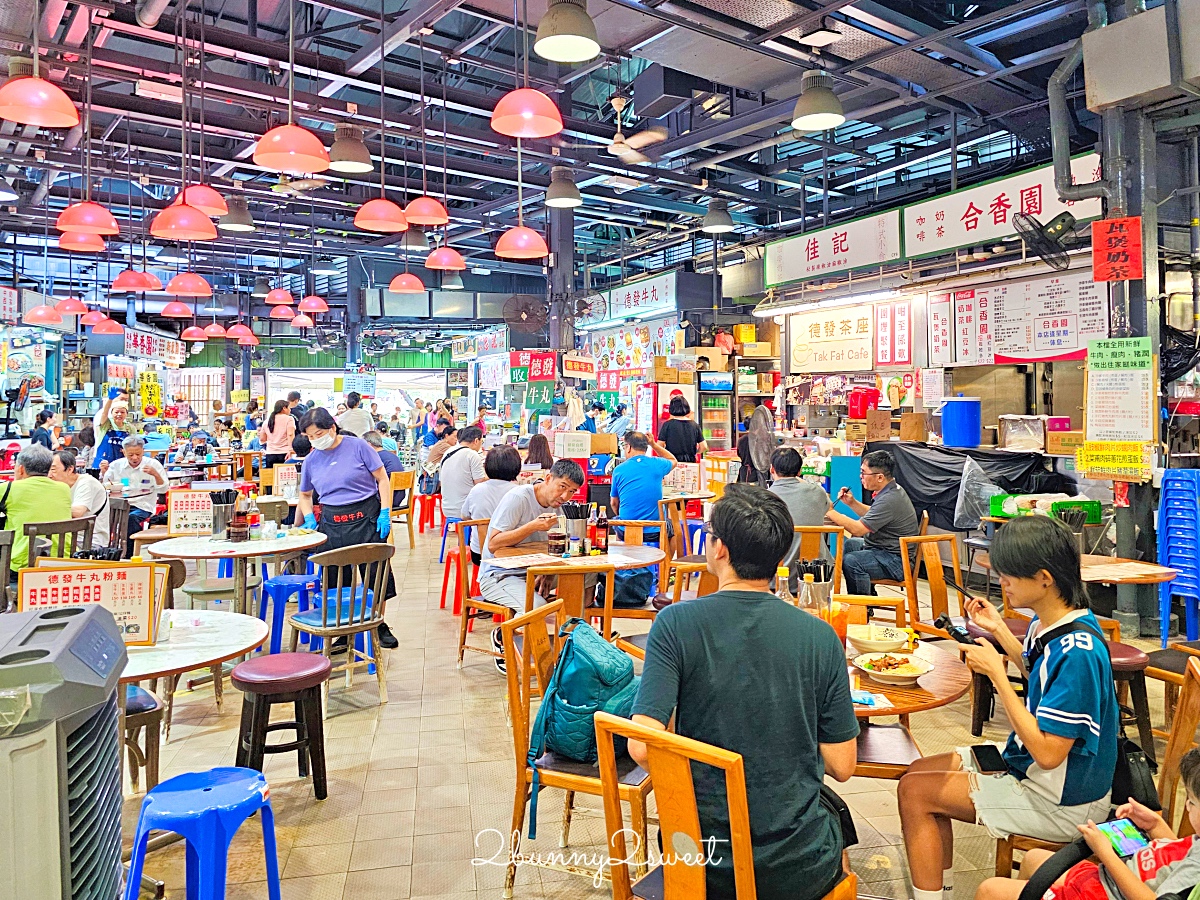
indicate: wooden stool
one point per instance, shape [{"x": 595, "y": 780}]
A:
[
  {"x": 143, "y": 710},
  {"x": 283, "y": 678},
  {"x": 1129, "y": 669}
]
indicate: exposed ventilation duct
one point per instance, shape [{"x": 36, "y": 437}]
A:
[{"x": 148, "y": 12}]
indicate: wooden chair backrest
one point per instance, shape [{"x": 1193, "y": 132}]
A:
[
  {"x": 463, "y": 530},
  {"x": 267, "y": 479},
  {"x": 6, "y": 545},
  {"x": 118, "y": 522},
  {"x": 928, "y": 552},
  {"x": 70, "y": 534},
  {"x": 273, "y": 509},
  {"x": 403, "y": 481},
  {"x": 675, "y": 512},
  {"x": 706, "y": 585},
  {"x": 635, "y": 529},
  {"x": 570, "y": 584},
  {"x": 343, "y": 572},
  {"x": 669, "y": 762},
  {"x": 536, "y": 658},
  {"x": 924, "y": 527},
  {"x": 812, "y": 540},
  {"x": 178, "y": 576},
  {"x": 1183, "y": 736}
]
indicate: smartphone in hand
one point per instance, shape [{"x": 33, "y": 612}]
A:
[{"x": 988, "y": 759}]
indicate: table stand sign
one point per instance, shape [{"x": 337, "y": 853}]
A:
[
  {"x": 189, "y": 513},
  {"x": 133, "y": 592},
  {"x": 287, "y": 482}
]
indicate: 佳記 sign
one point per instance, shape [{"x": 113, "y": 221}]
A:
[
  {"x": 983, "y": 214},
  {"x": 863, "y": 242},
  {"x": 832, "y": 340},
  {"x": 1117, "y": 249}
]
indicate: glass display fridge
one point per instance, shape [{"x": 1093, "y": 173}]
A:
[{"x": 715, "y": 409}]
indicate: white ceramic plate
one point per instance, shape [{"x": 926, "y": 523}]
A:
[
  {"x": 861, "y": 664},
  {"x": 879, "y": 640}
]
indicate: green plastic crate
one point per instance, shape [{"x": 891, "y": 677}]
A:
[
  {"x": 1092, "y": 506},
  {"x": 997, "y": 506}
]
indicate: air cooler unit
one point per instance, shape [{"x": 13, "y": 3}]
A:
[{"x": 60, "y": 781}]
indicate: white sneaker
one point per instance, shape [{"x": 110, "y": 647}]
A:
[{"x": 498, "y": 646}]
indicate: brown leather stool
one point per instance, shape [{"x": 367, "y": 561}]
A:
[
  {"x": 1129, "y": 669},
  {"x": 283, "y": 678},
  {"x": 983, "y": 694}
]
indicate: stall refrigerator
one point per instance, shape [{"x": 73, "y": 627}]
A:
[
  {"x": 715, "y": 409},
  {"x": 652, "y": 401}
]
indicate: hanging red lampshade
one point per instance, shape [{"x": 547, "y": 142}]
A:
[
  {"x": 86, "y": 217},
  {"x": 36, "y": 101},
  {"x": 312, "y": 304},
  {"x": 203, "y": 198},
  {"x": 42, "y": 315},
  {"x": 248, "y": 341},
  {"x": 129, "y": 280},
  {"x": 70, "y": 306},
  {"x": 279, "y": 297},
  {"x": 526, "y": 113},
  {"x": 215, "y": 330},
  {"x": 189, "y": 284},
  {"x": 108, "y": 326},
  {"x": 176, "y": 310},
  {"x": 282, "y": 312},
  {"x": 291, "y": 149},
  {"x": 381, "y": 215},
  {"x": 154, "y": 283},
  {"x": 81, "y": 243},
  {"x": 446, "y": 258},
  {"x": 406, "y": 283},
  {"x": 182, "y": 223},
  {"x": 238, "y": 330},
  {"x": 521, "y": 242},
  {"x": 95, "y": 317},
  {"x": 424, "y": 210},
  {"x": 193, "y": 333},
  {"x": 302, "y": 321}
]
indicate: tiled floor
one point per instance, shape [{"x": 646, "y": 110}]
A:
[{"x": 420, "y": 789}]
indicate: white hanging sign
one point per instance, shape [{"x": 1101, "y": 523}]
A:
[{"x": 869, "y": 241}]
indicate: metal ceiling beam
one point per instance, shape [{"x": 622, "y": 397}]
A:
[
  {"x": 800, "y": 21},
  {"x": 398, "y": 32}
]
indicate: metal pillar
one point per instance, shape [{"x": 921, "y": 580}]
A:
[
  {"x": 355, "y": 311},
  {"x": 562, "y": 276}
]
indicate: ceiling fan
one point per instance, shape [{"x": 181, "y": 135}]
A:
[
  {"x": 628, "y": 149},
  {"x": 295, "y": 187}
]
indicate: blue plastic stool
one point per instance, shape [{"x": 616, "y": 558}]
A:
[
  {"x": 362, "y": 639},
  {"x": 445, "y": 526},
  {"x": 279, "y": 591},
  {"x": 694, "y": 527},
  {"x": 206, "y": 809}
]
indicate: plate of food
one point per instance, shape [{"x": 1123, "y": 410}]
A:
[
  {"x": 876, "y": 638},
  {"x": 893, "y": 668}
]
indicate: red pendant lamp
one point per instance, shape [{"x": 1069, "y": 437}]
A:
[
  {"x": 238, "y": 330},
  {"x": 182, "y": 223},
  {"x": 312, "y": 304},
  {"x": 302, "y": 321},
  {"x": 189, "y": 284},
  {"x": 193, "y": 333},
  {"x": 31, "y": 100},
  {"x": 86, "y": 217},
  {"x": 176, "y": 310},
  {"x": 70, "y": 306},
  {"x": 447, "y": 259},
  {"x": 282, "y": 312},
  {"x": 290, "y": 148},
  {"x": 248, "y": 341},
  {"x": 381, "y": 215},
  {"x": 94, "y": 317},
  {"x": 108, "y": 326},
  {"x": 202, "y": 197},
  {"x": 526, "y": 113},
  {"x": 42, "y": 315},
  {"x": 153, "y": 282},
  {"x": 215, "y": 330},
  {"x": 81, "y": 243},
  {"x": 425, "y": 210},
  {"x": 521, "y": 242},
  {"x": 129, "y": 280},
  {"x": 279, "y": 297},
  {"x": 406, "y": 283}
]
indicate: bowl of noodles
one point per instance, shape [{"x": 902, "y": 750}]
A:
[{"x": 893, "y": 668}]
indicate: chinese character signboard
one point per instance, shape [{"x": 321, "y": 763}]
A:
[
  {"x": 893, "y": 334},
  {"x": 493, "y": 341},
  {"x": 833, "y": 340},
  {"x": 579, "y": 365},
  {"x": 189, "y": 513},
  {"x": 287, "y": 481},
  {"x": 1120, "y": 391},
  {"x": 839, "y": 248},
  {"x": 125, "y": 590},
  {"x": 493, "y": 373},
  {"x": 360, "y": 379},
  {"x": 642, "y": 298},
  {"x": 528, "y": 365},
  {"x": 10, "y": 305},
  {"x": 154, "y": 346},
  {"x": 941, "y": 325},
  {"x": 540, "y": 395},
  {"x": 983, "y": 214},
  {"x": 1117, "y": 249}
]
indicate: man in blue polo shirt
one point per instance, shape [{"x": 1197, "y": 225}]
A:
[{"x": 637, "y": 483}]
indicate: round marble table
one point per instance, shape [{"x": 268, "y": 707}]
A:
[
  {"x": 190, "y": 639},
  {"x": 240, "y": 553}
]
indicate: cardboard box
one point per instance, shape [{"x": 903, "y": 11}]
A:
[
  {"x": 686, "y": 376},
  {"x": 747, "y": 384},
  {"x": 879, "y": 424},
  {"x": 573, "y": 445},
  {"x": 914, "y": 427},
  {"x": 856, "y": 430},
  {"x": 604, "y": 443},
  {"x": 761, "y": 349},
  {"x": 1058, "y": 423},
  {"x": 709, "y": 358},
  {"x": 1064, "y": 443},
  {"x": 766, "y": 382},
  {"x": 744, "y": 333},
  {"x": 664, "y": 372}
]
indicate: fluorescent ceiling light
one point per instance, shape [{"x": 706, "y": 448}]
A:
[
  {"x": 153, "y": 90},
  {"x": 823, "y": 36},
  {"x": 767, "y": 310}
]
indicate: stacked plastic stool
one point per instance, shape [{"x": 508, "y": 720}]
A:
[
  {"x": 1179, "y": 548},
  {"x": 206, "y": 809}
]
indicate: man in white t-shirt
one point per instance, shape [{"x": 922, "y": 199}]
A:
[
  {"x": 138, "y": 478},
  {"x": 88, "y": 497},
  {"x": 462, "y": 469}
]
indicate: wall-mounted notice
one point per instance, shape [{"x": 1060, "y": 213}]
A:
[
  {"x": 893, "y": 334},
  {"x": 1120, "y": 391}
]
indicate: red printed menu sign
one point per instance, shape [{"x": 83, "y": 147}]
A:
[
  {"x": 578, "y": 365},
  {"x": 1117, "y": 249},
  {"x": 10, "y": 304},
  {"x": 189, "y": 513},
  {"x": 941, "y": 323},
  {"x": 893, "y": 337},
  {"x": 126, "y": 591}
]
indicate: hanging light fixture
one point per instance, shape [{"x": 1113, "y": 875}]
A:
[
  {"x": 452, "y": 281},
  {"x": 717, "y": 219},
  {"x": 312, "y": 304},
  {"x": 381, "y": 215},
  {"x": 129, "y": 280},
  {"x": 108, "y": 326},
  {"x": 562, "y": 193},
  {"x": 818, "y": 107},
  {"x": 261, "y": 288},
  {"x": 349, "y": 154},
  {"x": 189, "y": 284},
  {"x": 170, "y": 255},
  {"x": 176, "y": 310},
  {"x": 70, "y": 306},
  {"x": 424, "y": 210},
  {"x": 29, "y": 99},
  {"x": 414, "y": 239},
  {"x": 215, "y": 330},
  {"x": 153, "y": 282},
  {"x": 279, "y": 297},
  {"x": 302, "y": 321},
  {"x": 249, "y": 340},
  {"x": 238, "y": 330},
  {"x": 406, "y": 283},
  {"x": 203, "y": 198},
  {"x": 81, "y": 243},
  {"x": 526, "y": 113},
  {"x": 282, "y": 312},
  {"x": 237, "y": 217},
  {"x": 521, "y": 242},
  {"x": 567, "y": 33},
  {"x": 93, "y": 317},
  {"x": 290, "y": 148},
  {"x": 42, "y": 315},
  {"x": 86, "y": 217},
  {"x": 447, "y": 259},
  {"x": 323, "y": 265},
  {"x": 193, "y": 333}
]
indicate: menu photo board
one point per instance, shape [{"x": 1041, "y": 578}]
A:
[
  {"x": 132, "y": 592},
  {"x": 189, "y": 513},
  {"x": 287, "y": 481}
]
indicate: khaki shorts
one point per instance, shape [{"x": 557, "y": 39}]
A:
[{"x": 1004, "y": 805}]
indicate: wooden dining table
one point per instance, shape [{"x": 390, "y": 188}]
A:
[{"x": 949, "y": 680}]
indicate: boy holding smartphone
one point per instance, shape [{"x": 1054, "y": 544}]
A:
[{"x": 1164, "y": 863}]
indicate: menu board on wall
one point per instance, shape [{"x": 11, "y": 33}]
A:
[
  {"x": 1120, "y": 391},
  {"x": 154, "y": 346},
  {"x": 628, "y": 350},
  {"x": 893, "y": 334},
  {"x": 1044, "y": 319},
  {"x": 360, "y": 379},
  {"x": 832, "y": 340},
  {"x": 10, "y": 305}
]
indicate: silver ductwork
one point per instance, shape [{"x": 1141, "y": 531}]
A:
[{"x": 148, "y": 12}]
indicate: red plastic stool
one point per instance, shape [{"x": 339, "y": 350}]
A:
[
  {"x": 452, "y": 561},
  {"x": 427, "y": 503}
]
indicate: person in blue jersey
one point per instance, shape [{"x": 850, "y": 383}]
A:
[{"x": 1060, "y": 757}]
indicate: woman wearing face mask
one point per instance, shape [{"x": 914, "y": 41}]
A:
[{"x": 355, "y": 491}]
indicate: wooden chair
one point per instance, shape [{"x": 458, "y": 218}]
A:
[
  {"x": 70, "y": 534},
  {"x": 8, "y": 595},
  {"x": 635, "y": 644},
  {"x": 118, "y": 523},
  {"x": 928, "y": 553},
  {"x": 635, "y": 536},
  {"x": 341, "y": 608},
  {"x": 1169, "y": 666},
  {"x": 266, "y": 480},
  {"x": 922, "y": 531},
  {"x": 403, "y": 481},
  {"x": 670, "y": 760},
  {"x": 243, "y": 464},
  {"x": 473, "y": 606},
  {"x": 531, "y": 648},
  {"x": 674, "y": 513},
  {"x": 1182, "y": 739},
  {"x": 812, "y": 541}
]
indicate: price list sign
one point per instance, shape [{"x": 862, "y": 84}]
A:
[
  {"x": 126, "y": 591},
  {"x": 189, "y": 513},
  {"x": 287, "y": 481},
  {"x": 1119, "y": 416}
]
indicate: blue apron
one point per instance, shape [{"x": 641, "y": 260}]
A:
[{"x": 109, "y": 447}]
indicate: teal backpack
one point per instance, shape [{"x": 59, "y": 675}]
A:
[{"x": 591, "y": 676}]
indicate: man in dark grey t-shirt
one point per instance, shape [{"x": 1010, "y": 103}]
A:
[{"x": 873, "y": 550}]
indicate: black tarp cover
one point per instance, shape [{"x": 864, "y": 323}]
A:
[{"x": 931, "y": 475}]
